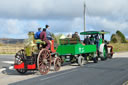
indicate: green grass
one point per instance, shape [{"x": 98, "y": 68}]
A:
[
  {"x": 6, "y": 53},
  {"x": 10, "y": 48},
  {"x": 119, "y": 47}
]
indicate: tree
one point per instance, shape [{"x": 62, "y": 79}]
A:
[
  {"x": 121, "y": 36},
  {"x": 113, "y": 38},
  {"x": 118, "y": 37}
]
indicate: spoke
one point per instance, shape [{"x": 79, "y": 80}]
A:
[{"x": 44, "y": 62}]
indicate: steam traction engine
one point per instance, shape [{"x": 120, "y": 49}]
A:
[{"x": 32, "y": 58}]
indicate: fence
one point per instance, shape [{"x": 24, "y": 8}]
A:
[{"x": 10, "y": 49}]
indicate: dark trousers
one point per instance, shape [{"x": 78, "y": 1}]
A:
[
  {"x": 38, "y": 46},
  {"x": 49, "y": 38}
]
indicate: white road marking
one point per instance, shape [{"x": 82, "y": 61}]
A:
[
  {"x": 58, "y": 75},
  {"x": 2, "y": 69},
  {"x": 10, "y": 68},
  {"x": 8, "y": 62}
]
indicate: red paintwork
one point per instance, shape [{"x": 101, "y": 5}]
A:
[
  {"x": 20, "y": 66},
  {"x": 31, "y": 66},
  {"x": 111, "y": 48},
  {"x": 52, "y": 47}
]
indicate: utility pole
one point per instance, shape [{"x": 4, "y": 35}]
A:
[{"x": 84, "y": 15}]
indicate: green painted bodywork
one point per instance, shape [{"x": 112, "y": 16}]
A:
[
  {"x": 101, "y": 41},
  {"x": 74, "y": 49},
  {"x": 104, "y": 53}
]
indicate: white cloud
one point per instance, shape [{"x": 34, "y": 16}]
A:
[
  {"x": 14, "y": 28},
  {"x": 63, "y": 26},
  {"x": 104, "y": 23},
  {"x": 17, "y": 17},
  {"x": 40, "y": 9},
  {"x": 61, "y": 9},
  {"x": 110, "y": 8}
]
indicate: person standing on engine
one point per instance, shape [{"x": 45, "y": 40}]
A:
[
  {"x": 97, "y": 41},
  {"x": 92, "y": 40},
  {"x": 48, "y": 33},
  {"x": 86, "y": 40}
]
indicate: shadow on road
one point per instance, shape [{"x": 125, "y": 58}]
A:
[
  {"x": 8, "y": 71},
  {"x": 117, "y": 64},
  {"x": 14, "y": 72},
  {"x": 108, "y": 72}
]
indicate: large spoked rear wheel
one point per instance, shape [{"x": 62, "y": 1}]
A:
[
  {"x": 57, "y": 64},
  {"x": 19, "y": 57},
  {"x": 44, "y": 61}
]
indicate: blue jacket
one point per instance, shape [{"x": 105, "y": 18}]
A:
[{"x": 37, "y": 35}]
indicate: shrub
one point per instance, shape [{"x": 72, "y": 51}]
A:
[
  {"x": 122, "y": 37},
  {"x": 118, "y": 37}
]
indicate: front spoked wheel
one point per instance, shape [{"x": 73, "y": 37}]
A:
[
  {"x": 57, "y": 64},
  {"x": 19, "y": 57}
]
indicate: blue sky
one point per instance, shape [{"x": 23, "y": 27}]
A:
[{"x": 18, "y": 17}]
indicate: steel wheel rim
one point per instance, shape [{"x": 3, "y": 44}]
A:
[
  {"x": 44, "y": 61},
  {"x": 57, "y": 64},
  {"x": 21, "y": 55}
]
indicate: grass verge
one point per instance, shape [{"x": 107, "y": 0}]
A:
[{"x": 119, "y": 47}]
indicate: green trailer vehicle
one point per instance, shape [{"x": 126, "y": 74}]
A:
[{"x": 73, "y": 50}]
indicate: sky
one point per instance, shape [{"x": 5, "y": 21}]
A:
[{"x": 18, "y": 17}]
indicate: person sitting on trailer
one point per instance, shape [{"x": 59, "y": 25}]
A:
[
  {"x": 69, "y": 36},
  {"x": 43, "y": 37},
  {"x": 75, "y": 35}
]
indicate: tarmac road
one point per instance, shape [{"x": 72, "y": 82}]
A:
[
  {"x": 110, "y": 72},
  {"x": 6, "y": 60}
]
